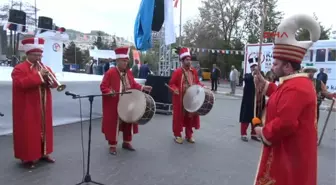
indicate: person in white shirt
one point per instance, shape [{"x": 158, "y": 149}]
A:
[{"x": 234, "y": 79}]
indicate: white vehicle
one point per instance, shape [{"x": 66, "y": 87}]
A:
[{"x": 322, "y": 54}]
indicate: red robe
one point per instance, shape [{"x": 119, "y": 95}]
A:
[
  {"x": 111, "y": 123},
  {"x": 180, "y": 117},
  {"x": 32, "y": 113},
  {"x": 289, "y": 153}
]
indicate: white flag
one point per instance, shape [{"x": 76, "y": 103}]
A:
[{"x": 169, "y": 26}]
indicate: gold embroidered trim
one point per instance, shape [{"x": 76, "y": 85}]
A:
[
  {"x": 296, "y": 75},
  {"x": 267, "y": 179}
]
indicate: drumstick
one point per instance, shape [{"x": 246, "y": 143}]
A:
[
  {"x": 170, "y": 88},
  {"x": 115, "y": 93}
]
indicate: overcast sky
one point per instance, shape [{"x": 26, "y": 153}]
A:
[{"x": 118, "y": 16}]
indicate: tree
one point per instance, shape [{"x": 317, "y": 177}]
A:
[
  {"x": 217, "y": 27},
  {"x": 73, "y": 55},
  {"x": 100, "y": 42},
  {"x": 304, "y": 34},
  {"x": 253, "y": 20},
  {"x": 114, "y": 43},
  {"x": 86, "y": 56},
  {"x": 130, "y": 63}
]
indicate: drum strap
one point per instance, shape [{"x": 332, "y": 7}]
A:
[
  {"x": 186, "y": 77},
  {"x": 123, "y": 79}
]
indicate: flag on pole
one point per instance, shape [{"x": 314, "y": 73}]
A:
[
  {"x": 175, "y": 4},
  {"x": 14, "y": 27},
  {"x": 169, "y": 27}
]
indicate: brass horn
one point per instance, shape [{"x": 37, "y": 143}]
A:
[{"x": 52, "y": 79}]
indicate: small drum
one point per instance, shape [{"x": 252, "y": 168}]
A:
[
  {"x": 198, "y": 100},
  {"x": 136, "y": 107}
]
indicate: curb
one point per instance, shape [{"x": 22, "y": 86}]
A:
[{"x": 324, "y": 106}]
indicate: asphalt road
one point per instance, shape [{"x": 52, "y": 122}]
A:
[{"x": 218, "y": 157}]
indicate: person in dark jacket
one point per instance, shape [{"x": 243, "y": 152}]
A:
[
  {"x": 106, "y": 66},
  {"x": 199, "y": 72},
  {"x": 247, "y": 105},
  {"x": 322, "y": 76},
  {"x": 320, "y": 88},
  {"x": 144, "y": 71},
  {"x": 135, "y": 69},
  {"x": 214, "y": 77}
]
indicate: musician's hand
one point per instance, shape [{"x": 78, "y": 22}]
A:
[
  {"x": 176, "y": 92},
  {"x": 259, "y": 80},
  {"x": 258, "y": 130},
  {"x": 112, "y": 93},
  {"x": 147, "y": 88},
  {"x": 44, "y": 73}
]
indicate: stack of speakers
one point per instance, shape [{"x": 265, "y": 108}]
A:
[
  {"x": 18, "y": 17},
  {"x": 160, "y": 93}
]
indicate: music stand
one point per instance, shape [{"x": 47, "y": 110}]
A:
[{"x": 87, "y": 178}]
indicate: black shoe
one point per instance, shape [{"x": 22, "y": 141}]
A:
[
  {"x": 244, "y": 138},
  {"x": 29, "y": 164},
  {"x": 128, "y": 146},
  {"x": 255, "y": 138}
]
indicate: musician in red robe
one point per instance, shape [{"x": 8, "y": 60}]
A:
[
  {"x": 118, "y": 79},
  {"x": 32, "y": 107},
  {"x": 288, "y": 128},
  {"x": 181, "y": 79}
]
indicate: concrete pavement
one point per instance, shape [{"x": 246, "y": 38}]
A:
[{"x": 218, "y": 157}]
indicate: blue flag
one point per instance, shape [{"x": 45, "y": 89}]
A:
[{"x": 143, "y": 25}]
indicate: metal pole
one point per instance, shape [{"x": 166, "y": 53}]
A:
[
  {"x": 180, "y": 38},
  {"x": 75, "y": 54},
  {"x": 35, "y": 13}
]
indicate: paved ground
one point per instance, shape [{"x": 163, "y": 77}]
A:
[{"x": 218, "y": 158}]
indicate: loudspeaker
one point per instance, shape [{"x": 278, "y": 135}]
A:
[
  {"x": 16, "y": 17},
  {"x": 160, "y": 92},
  {"x": 45, "y": 23},
  {"x": 158, "y": 15}
]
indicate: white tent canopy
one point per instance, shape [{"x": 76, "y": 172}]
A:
[{"x": 107, "y": 54}]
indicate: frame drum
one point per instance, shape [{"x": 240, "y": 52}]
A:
[
  {"x": 136, "y": 107},
  {"x": 198, "y": 100}
]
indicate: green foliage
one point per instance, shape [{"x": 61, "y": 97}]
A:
[
  {"x": 73, "y": 55},
  {"x": 100, "y": 43},
  {"x": 304, "y": 34}
]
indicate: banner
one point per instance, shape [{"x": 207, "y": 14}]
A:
[
  {"x": 53, "y": 49},
  {"x": 266, "y": 60},
  {"x": 106, "y": 54},
  {"x": 219, "y": 51}
]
